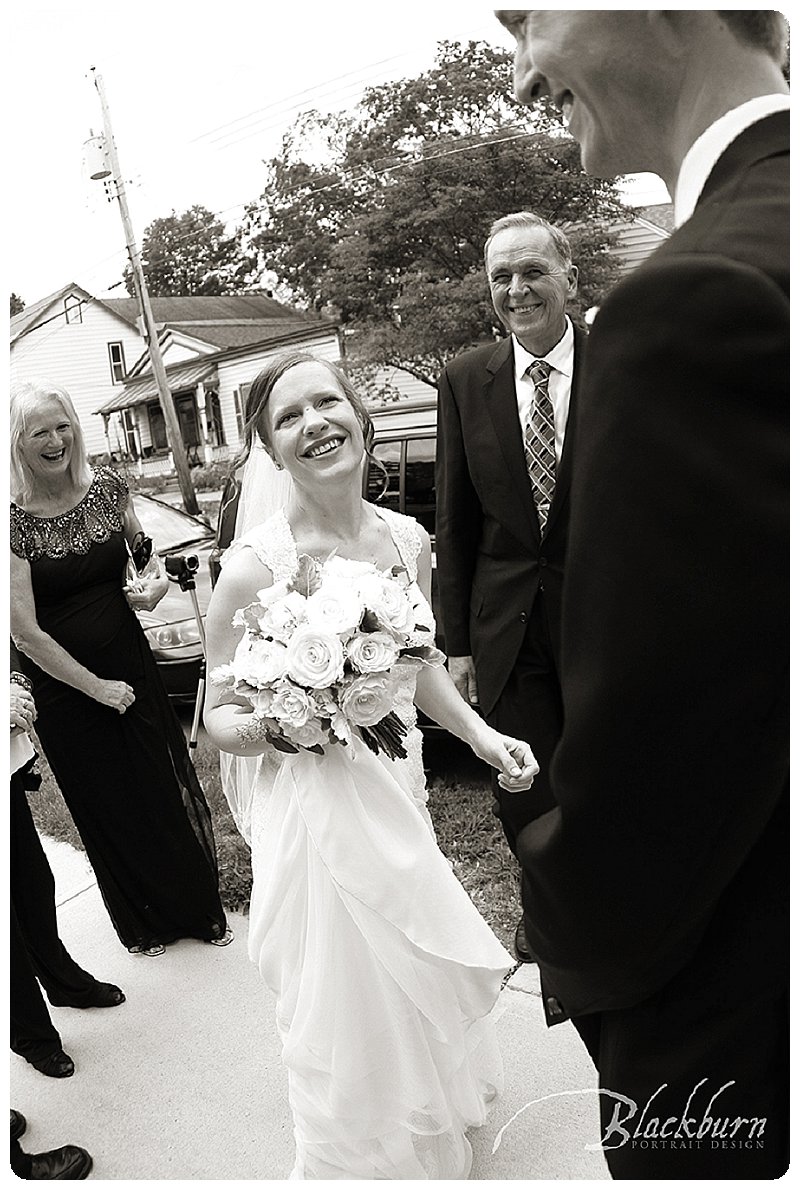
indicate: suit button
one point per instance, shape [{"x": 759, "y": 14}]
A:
[
  {"x": 542, "y": 560},
  {"x": 523, "y": 617}
]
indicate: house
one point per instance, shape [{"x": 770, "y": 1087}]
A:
[
  {"x": 637, "y": 239},
  {"x": 212, "y": 349},
  {"x": 80, "y": 342}
]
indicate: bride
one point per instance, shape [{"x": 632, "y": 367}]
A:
[{"x": 383, "y": 970}]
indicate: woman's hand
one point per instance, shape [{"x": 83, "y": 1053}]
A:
[
  {"x": 23, "y": 709},
  {"x": 514, "y": 760},
  {"x": 147, "y": 592},
  {"x": 118, "y": 695}
]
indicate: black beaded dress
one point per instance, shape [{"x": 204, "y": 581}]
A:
[{"x": 127, "y": 779}]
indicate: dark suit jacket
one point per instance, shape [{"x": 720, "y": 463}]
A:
[
  {"x": 673, "y": 760},
  {"x": 491, "y": 560}
]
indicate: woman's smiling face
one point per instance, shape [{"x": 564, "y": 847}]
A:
[
  {"x": 311, "y": 427},
  {"x": 47, "y": 440}
]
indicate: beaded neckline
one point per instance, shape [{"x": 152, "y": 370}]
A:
[{"x": 92, "y": 520}]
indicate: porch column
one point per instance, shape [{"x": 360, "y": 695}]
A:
[{"x": 200, "y": 399}]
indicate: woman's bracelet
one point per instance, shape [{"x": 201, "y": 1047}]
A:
[{"x": 21, "y": 680}]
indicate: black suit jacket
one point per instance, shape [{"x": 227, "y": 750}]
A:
[
  {"x": 672, "y": 766},
  {"x": 492, "y": 562}
]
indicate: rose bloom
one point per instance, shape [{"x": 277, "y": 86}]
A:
[
  {"x": 282, "y": 615},
  {"x": 371, "y": 652},
  {"x": 307, "y": 736},
  {"x": 315, "y": 658},
  {"x": 387, "y": 599},
  {"x": 335, "y": 607},
  {"x": 291, "y": 706},
  {"x": 346, "y": 568},
  {"x": 368, "y": 699},
  {"x": 259, "y": 662}
]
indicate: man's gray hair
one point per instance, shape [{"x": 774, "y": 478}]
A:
[{"x": 529, "y": 219}]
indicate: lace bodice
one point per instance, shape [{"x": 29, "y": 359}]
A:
[
  {"x": 92, "y": 520},
  {"x": 274, "y": 545}
]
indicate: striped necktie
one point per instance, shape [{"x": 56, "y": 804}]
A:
[{"x": 540, "y": 440}]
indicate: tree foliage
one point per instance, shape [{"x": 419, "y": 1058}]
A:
[
  {"x": 192, "y": 255},
  {"x": 381, "y": 215},
  {"x": 17, "y": 304}
]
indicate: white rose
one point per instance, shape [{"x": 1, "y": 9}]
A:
[
  {"x": 347, "y": 568},
  {"x": 389, "y": 602},
  {"x": 283, "y": 615},
  {"x": 259, "y": 662},
  {"x": 291, "y": 706},
  {"x": 368, "y": 699},
  {"x": 309, "y": 735},
  {"x": 316, "y": 658},
  {"x": 335, "y": 607},
  {"x": 371, "y": 652}
]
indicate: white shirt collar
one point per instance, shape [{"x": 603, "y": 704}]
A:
[
  {"x": 711, "y": 144},
  {"x": 559, "y": 357}
]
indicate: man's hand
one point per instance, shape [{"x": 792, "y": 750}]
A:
[
  {"x": 462, "y": 671},
  {"x": 23, "y": 709}
]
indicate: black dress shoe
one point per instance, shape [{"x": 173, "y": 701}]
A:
[
  {"x": 18, "y": 1124},
  {"x": 69, "y": 1163},
  {"x": 521, "y": 944},
  {"x": 100, "y": 995},
  {"x": 55, "y": 1065},
  {"x": 104, "y": 995}
]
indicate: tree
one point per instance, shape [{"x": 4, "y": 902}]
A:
[
  {"x": 192, "y": 255},
  {"x": 381, "y": 214},
  {"x": 17, "y": 305}
]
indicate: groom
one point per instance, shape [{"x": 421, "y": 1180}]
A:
[{"x": 658, "y": 886}]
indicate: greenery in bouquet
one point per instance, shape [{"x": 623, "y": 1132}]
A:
[{"x": 320, "y": 660}]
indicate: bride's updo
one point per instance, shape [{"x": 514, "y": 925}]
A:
[{"x": 266, "y": 380}]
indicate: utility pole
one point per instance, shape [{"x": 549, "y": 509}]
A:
[{"x": 172, "y": 425}]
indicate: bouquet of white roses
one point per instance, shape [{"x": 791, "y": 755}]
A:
[{"x": 321, "y": 658}]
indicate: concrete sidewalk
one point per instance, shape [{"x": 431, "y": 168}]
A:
[{"x": 184, "y": 1080}]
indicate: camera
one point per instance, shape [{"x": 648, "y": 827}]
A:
[{"x": 181, "y": 568}]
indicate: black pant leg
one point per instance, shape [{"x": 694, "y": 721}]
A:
[
  {"x": 33, "y": 1034},
  {"x": 33, "y": 893},
  {"x": 21, "y": 1161},
  {"x": 530, "y": 708}
]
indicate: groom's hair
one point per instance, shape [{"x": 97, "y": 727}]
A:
[{"x": 265, "y": 381}]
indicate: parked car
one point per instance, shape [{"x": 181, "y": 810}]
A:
[{"x": 171, "y": 627}]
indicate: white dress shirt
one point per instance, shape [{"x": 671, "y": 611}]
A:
[
  {"x": 559, "y": 386},
  {"x": 711, "y": 144}
]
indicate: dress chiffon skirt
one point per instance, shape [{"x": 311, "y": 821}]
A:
[{"x": 383, "y": 969}]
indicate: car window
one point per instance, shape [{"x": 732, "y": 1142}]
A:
[
  {"x": 168, "y": 527},
  {"x": 420, "y": 486},
  {"x": 383, "y": 484}
]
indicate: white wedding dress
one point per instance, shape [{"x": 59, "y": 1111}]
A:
[{"x": 384, "y": 971}]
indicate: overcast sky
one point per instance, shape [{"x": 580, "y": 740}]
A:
[{"x": 199, "y": 94}]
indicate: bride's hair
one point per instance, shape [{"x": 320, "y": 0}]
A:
[{"x": 262, "y": 386}]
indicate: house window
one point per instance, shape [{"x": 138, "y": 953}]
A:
[
  {"x": 239, "y": 404},
  {"x": 73, "y": 309},
  {"x": 116, "y": 357}
]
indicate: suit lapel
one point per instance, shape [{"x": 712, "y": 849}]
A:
[{"x": 500, "y": 394}]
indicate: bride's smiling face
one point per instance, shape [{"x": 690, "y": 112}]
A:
[{"x": 311, "y": 427}]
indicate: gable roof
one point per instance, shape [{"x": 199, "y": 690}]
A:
[
  {"x": 32, "y": 315},
  {"x": 227, "y": 308}
]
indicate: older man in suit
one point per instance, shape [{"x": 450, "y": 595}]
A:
[
  {"x": 502, "y": 496},
  {"x": 658, "y": 886}
]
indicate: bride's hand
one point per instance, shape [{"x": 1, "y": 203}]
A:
[{"x": 514, "y": 760}]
